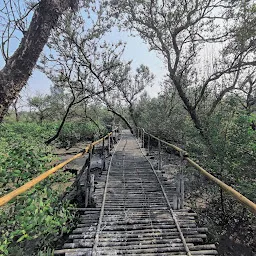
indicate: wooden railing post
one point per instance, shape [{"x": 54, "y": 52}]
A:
[
  {"x": 103, "y": 155},
  {"x": 103, "y": 145},
  {"x": 178, "y": 191},
  {"x": 178, "y": 200},
  {"x": 91, "y": 189},
  {"x": 148, "y": 144},
  {"x": 108, "y": 145},
  {"x": 182, "y": 163},
  {"x": 112, "y": 140},
  {"x": 88, "y": 176},
  {"x": 142, "y": 138},
  {"x": 182, "y": 192},
  {"x": 159, "y": 156}
]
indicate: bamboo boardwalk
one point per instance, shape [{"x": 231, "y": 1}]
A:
[{"x": 133, "y": 214}]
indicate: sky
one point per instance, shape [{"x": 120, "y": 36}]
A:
[{"x": 136, "y": 50}]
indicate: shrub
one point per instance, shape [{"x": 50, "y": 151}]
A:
[{"x": 34, "y": 219}]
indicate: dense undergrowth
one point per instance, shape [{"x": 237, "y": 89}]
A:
[
  {"x": 32, "y": 223},
  {"x": 234, "y": 151},
  {"x": 229, "y": 154},
  {"x": 230, "y": 151}
]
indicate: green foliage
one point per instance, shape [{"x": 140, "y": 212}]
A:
[
  {"x": 162, "y": 116},
  {"x": 22, "y": 153},
  {"x": 74, "y": 132},
  {"x": 234, "y": 144},
  {"x": 36, "y": 215},
  {"x": 231, "y": 152}
]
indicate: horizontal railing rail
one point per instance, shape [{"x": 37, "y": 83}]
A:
[
  {"x": 8, "y": 197},
  {"x": 235, "y": 194}
]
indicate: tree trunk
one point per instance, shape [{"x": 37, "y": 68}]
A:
[
  {"x": 62, "y": 123},
  {"x": 19, "y": 67},
  {"x": 16, "y": 110},
  {"x": 123, "y": 118},
  {"x": 193, "y": 114},
  {"x": 41, "y": 118},
  {"x": 131, "y": 110}
]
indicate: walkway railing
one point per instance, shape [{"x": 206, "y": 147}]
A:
[
  {"x": 89, "y": 149},
  {"x": 184, "y": 155}
]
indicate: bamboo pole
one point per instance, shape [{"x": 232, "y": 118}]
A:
[
  {"x": 235, "y": 194},
  {"x": 8, "y": 197},
  {"x": 251, "y": 206}
]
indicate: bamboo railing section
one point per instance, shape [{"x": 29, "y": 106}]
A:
[
  {"x": 235, "y": 194},
  {"x": 8, "y": 197}
]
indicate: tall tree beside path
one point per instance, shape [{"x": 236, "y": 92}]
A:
[
  {"x": 18, "y": 68},
  {"x": 180, "y": 32}
]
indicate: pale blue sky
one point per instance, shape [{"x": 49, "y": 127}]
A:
[{"x": 136, "y": 50}]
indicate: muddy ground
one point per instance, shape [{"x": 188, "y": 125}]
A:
[{"x": 234, "y": 230}]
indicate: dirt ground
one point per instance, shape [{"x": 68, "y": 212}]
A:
[{"x": 64, "y": 154}]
